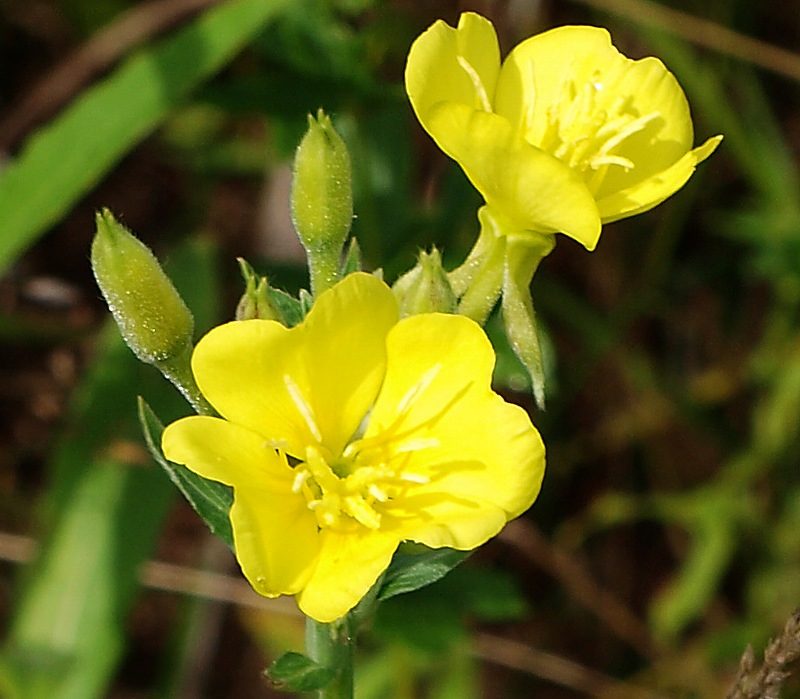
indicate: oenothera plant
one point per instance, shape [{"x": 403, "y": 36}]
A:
[{"x": 336, "y": 428}]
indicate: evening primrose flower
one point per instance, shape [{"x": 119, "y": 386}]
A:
[
  {"x": 565, "y": 135},
  {"x": 350, "y": 433}
]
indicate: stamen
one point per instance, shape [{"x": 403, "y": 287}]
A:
[
  {"x": 411, "y": 477},
  {"x": 357, "y": 508},
  {"x": 417, "y": 444},
  {"x": 633, "y": 127},
  {"x": 477, "y": 83},
  {"x": 300, "y": 478},
  {"x": 418, "y": 388},
  {"x": 377, "y": 493},
  {"x": 302, "y": 406}
]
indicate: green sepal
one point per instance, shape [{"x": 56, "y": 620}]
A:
[
  {"x": 211, "y": 500},
  {"x": 411, "y": 571},
  {"x": 306, "y": 301},
  {"x": 291, "y": 310},
  {"x": 523, "y": 256},
  {"x": 352, "y": 259},
  {"x": 295, "y": 672},
  {"x": 260, "y": 300}
]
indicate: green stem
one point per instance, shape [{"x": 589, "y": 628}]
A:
[
  {"x": 333, "y": 645},
  {"x": 480, "y": 279},
  {"x": 323, "y": 267},
  {"x": 178, "y": 371}
]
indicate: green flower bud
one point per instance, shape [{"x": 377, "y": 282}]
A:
[
  {"x": 255, "y": 302},
  {"x": 152, "y": 317},
  {"x": 322, "y": 199},
  {"x": 425, "y": 288}
]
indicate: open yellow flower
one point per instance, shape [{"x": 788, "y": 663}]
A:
[
  {"x": 350, "y": 433},
  {"x": 566, "y": 135}
]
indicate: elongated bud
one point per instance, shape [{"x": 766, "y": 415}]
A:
[
  {"x": 255, "y": 302},
  {"x": 152, "y": 317},
  {"x": 322, "y": 199},
  {"x": 425, "y": 288}
]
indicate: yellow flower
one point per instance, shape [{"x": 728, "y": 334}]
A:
[
  {"x": 350, "y": 433},
  {"x": 567, "y": 134}
]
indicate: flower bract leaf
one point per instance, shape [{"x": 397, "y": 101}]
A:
[
  {"x": 295, "y": 672},
  {"x": 211, "y": 500},
  {"x": 412, "y": 571}
]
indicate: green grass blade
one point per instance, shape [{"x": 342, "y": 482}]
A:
[{"x": 65, "y": 159}]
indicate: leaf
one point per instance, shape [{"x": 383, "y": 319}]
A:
[
  {"x": 295, "y": 672},
  {"x": 352, "y": 258},
  {"x": 65, "y": 159},
  {"x": 211, "y": 500},
  {"x": 409, "y": 572},
  {"x": 291, "y": 310}
]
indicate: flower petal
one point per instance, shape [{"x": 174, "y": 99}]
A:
[
  {"x": 535, "y": 74},
  {"x": 348, "y": 565},
  {"x": 276, "y": 540},
  {"x": 225, "y": 452},
  {"x": 521, "y": 183},
  {"x": 274, "y": 532},
  {"x": 462, "y": 527},
  {"x": 310, "y": 384},
  {"x": 645, "y": 195},
  {"x": 546, "y": 79},
  {"x": 344, "y": 354},
  {"x": 482, "y": 458},
  {"x": 453, "y": 65}
]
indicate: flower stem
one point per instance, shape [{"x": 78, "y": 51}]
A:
[
  {"x": 333, "y": 646},
  {"x": 323, "y": 267},
  {"x": 179, "y": 372}
]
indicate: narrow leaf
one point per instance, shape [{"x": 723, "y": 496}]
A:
[
  {"x": 295, "y": 672},
  {"x": 70, "y": 155},
  {"x": 291, "y": 310},
  {"x": 211, "y": 500},
  {"x": 409, "y": 572}
]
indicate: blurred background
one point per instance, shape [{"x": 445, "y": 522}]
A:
[{"x": 666, "y": 537}]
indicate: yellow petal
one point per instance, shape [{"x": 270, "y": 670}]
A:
[
  {"x": 276, "y": 540},
  {"x": 534, "y": 75},
  {"x": 274, "y": 532},
  {"x": 344, "y": 353},
  {"x": 312, "y": 383},
  {"x": 225, "y": 452},
  {"x": 563, "y": 80},
  {"x": 645, "y": 195},
  {"x": 521, "y": 183},
  {"x": 463, "y": 526},
  {"x": 481, "y": 454},
  {"x": 453, "y": 65},
  {"x": 348, "y": 565}
]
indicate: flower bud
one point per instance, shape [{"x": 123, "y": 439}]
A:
[
  {"x": 152, "y": 317},
  {"x": 322, "y": 199},
  {"x": 425, "y": 288},
  {"x": 255, "y": 302}
]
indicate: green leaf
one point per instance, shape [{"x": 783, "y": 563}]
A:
[
  {"x": 352, "y": 258},
  {"x": 101, "y": 517},
  {"x": 65, "y": 159},
  {"x": 409, "y": 572},
  {"x": 295, "y": 672},
  {"x": 211, "y": 500},
  {"x": 291, "y": 310}
]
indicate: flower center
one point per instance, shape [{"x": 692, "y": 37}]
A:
[
  {"x": 587, "y": 127},
  {"x": 368, "y": 480}
]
